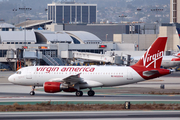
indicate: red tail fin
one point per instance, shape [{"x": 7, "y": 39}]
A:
[{"x": 153, "y": 56}]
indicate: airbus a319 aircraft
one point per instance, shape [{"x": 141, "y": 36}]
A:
[{"x": 75, "y": 78}]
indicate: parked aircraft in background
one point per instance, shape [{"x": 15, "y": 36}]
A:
[
  {"x": 167, "y": 61},
  {"x": 74, "y": 78}
]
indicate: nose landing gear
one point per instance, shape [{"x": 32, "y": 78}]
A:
[{"x": 32, "y": 92}]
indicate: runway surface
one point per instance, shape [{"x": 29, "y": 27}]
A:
[
  {"x": 94, "y": 115},
  {"x": 16, "y": 93},
  {"x": 135, "y": 93},
  {"x": 132, "y": 92}
]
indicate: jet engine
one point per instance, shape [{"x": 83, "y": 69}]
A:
[{"x": 53, "y": 87}]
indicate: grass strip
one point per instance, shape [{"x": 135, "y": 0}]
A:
[{"x": 58, "y": 106}]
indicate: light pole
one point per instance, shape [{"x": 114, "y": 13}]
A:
[
  {"x": 14, "y": 10},
  {"x": 106, "y": 37},
  {"x": 2, "y": 20},
  {"x": 45, "y": 10},
  {"x": 156, "y": 10},
  {"x": 45, "y": 14},
  {"x": 25, "y": 9},
  {"x": 138, "y": 10},
  {"x": 122, "y": 16}
]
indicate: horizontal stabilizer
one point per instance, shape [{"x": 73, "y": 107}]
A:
[{"x": 150, "y": 73}]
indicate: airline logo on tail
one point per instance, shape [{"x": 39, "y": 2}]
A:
[
  {"x": 153, "y": 56},
  {"x": 149, "y": 59}
]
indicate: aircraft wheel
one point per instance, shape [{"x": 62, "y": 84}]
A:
[
  {"x": 79, "y": 93},
  {"x": 91, "y": 93},
  {"x": 32, "y": 93}
]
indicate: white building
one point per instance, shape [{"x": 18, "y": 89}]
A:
[{"x": 72, "y": 12}]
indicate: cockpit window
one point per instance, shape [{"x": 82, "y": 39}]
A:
[{"x": 18, "y": 72}]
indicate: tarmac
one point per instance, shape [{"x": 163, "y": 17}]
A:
[
  {"x": 171, "y": 84},
  {"x": 143, "y": 91},
  {"x": 94, "y": 115},
  {"x": 138, "y": 93}
]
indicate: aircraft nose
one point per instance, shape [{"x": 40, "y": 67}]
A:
[{"x": 10, "y": 78}]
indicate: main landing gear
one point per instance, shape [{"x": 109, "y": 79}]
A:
[
  {"x": 90, "y": 93},
  {"x": 32, "y": 92},
  {"x": 79, "y": 93}
]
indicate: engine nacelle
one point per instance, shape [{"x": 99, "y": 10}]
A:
[{"x": 53, "y": 87}]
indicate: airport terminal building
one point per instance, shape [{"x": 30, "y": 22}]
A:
[
  {"x": 56, "y": 46},
  {"x": 45, "y": 47}
]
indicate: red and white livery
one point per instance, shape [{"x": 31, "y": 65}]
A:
[{"x": 74, "y": 78}]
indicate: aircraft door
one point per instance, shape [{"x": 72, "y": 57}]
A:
[
  {"x": 38, "y": 77},
  {"x": 129, "y": 74},
  {"x": 29, "y": 74}
]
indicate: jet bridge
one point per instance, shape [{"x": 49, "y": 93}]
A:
[{"x": 113, "y": 59}]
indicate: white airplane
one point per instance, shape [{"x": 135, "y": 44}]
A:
[
  {"x": 74, "y": 78},
  {"x": 167, "y": 61}
]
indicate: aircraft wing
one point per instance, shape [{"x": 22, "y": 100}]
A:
[
  {"x": 56, "y": 80},
  {"x": 73, "y": 79},
  {"x": 150, "y": 73}
]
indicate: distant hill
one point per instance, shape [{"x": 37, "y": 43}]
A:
[
  {"x": 123, "y": 3},
  {"x": 108, "y": 10}
]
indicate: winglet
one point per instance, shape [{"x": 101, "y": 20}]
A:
[{"x": 153, "y": 56}]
